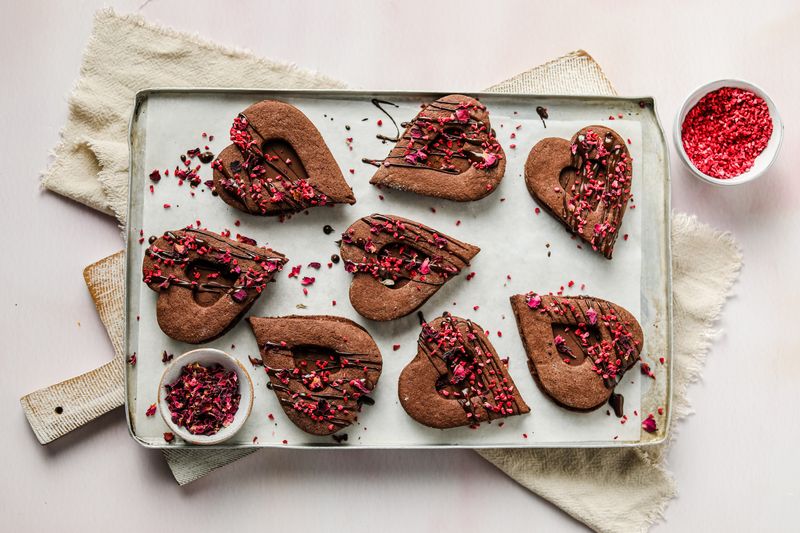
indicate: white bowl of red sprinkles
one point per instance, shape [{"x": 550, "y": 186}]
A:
[
  {"x": 728, "y": 132},
  {"x": 205, "y": 396}
]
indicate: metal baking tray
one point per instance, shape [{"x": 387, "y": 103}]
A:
[{"x": 534, "y": 250}]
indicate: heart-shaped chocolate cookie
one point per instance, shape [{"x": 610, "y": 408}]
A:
[
  {"x": 278, "y": 163},
  {"x": 585, "y": 183},
  {"x": 448, "y": 151},
  {"x": 578, "y": 347},
  {"x": 457, "y": 378},
  {"x": 397, "y": 264},
  {"x": 205, "y": 282},
  {"x": 322, "y": 368}
]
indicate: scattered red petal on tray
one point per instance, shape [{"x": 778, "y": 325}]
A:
[
  {"x": 246, "y": 240},
  {"x": 295, "y": 271},
  {"x": 649, "y": 424}
]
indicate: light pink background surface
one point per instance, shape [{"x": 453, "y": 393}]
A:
[{"x": 735, "y": 461}]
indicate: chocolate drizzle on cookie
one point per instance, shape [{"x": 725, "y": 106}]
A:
[
  {"x": 320, "y": 385},
  {"x": 449, "y": 144},
  {"x": 325, "y": 392},
  {"x": 450, "y": 137},
  {"x": 585, "y": 183},
  {"x": 219, "y": 256},
  {"x": 474, "y": 373},
  {"x": 263, "y": 173},
  {"x": 405, "y": 261},
  {"x": 592, "y": 329},
  {"x": 266, "y": 175},
  {"x": 398, "y": 264},
  {"x": 205, "y": 281},
  {"x": 466, "y": 371},
  {"x": 603, "y": 178},
  {"x": 595, "y": 340}
]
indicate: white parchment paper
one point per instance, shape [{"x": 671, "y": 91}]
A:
[{"x": 513, "y": 239}]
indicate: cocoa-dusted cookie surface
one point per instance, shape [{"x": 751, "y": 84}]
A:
[
  {"x": 585, "y": 183},
  {"x": 205, "y": 282},
  {"x": 322, "y": 368},
  {"x": 448, "y": 151},
  {"x": 578, "y": 347},
  {"x": 278, "y": 163},
  {"x": 457, "y": 378},
  {"x": 397, "y": 264}
]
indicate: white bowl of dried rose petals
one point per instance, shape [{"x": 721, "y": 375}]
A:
[
  {"x": 728, "y": 132},
  {"x": 205, "y": 396}
]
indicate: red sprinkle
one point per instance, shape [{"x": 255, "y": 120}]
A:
[
  {"x": 649, "y": 424},
  {"x": 395, "y": 347},
  {"x": 725, "y": 132}
]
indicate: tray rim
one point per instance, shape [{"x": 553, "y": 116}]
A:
[{"x": 142, "y": 94}]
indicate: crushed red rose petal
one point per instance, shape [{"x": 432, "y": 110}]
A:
[{"x": 204, "y": 399}]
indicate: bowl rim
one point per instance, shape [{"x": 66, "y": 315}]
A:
[
  {"x": 246, "y": 390},
  {"x": 702, "y": 90}
]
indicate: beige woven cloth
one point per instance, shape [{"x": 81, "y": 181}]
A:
[{"x": 609, "y": 490}]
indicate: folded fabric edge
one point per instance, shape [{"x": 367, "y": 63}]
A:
[
  {"x": 190, "y": 465},
  {"x": 684, "y": 224},
  {"x": 194, "y": 38}
]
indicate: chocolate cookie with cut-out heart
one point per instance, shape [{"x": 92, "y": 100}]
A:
[
  {"x": 322, "y": 368},
  {"x": 448, "y": 151},
  {"x": 578, "y": 347},
  {"x": 397, "y": 264},
  {"x": 278, "y": 163},
  {"x": 205, "y": 282},
  {"x": 457, "y": 378},
  {"x": 585, "y": 183}
]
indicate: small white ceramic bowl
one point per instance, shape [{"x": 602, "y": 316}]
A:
[
  {"x": 207, "y": 357},
  {"x": 765, "y": 158}
]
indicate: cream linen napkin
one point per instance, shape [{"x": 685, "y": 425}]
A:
[{"x": 609, "y": 490}]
